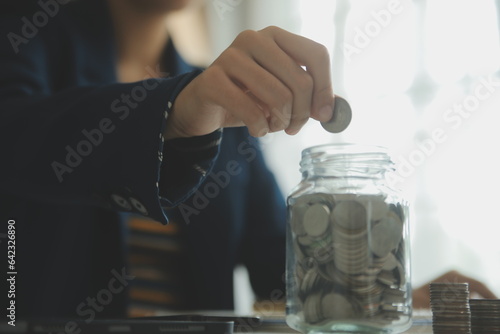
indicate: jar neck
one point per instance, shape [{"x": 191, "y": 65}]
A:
[{"x": 346, "y": 161}]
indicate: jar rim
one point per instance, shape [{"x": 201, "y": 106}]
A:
[
  {"x": 338, "y": 154},
  {"x": 346, "y": 148}
]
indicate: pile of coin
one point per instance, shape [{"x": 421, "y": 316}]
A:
[
  {"x": 485, "y": 316},
  {"x": 350, "y": 258},
  {"x": 450, "y": 308}
]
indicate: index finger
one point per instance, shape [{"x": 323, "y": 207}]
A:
[{"x": 315, "y": 57}]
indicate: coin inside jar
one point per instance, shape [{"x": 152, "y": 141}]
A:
[
  {"x": 336, "y": 306},
  {"x": 376, "y": 207},
  {"x": 316, "y": 220},
  {"x": 386, "y": 235},
  {"x": 350, "y": 215}
]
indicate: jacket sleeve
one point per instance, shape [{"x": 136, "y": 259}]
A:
[{"x": 93, "y": 145}]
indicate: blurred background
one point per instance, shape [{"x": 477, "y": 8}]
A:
[{"x": 423, "y": 79}]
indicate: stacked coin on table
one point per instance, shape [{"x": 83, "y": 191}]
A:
[
  {"x": 485, "y": 316},
  {"x": 450, "y": 308},
  {"x": 350, "y": 257}
]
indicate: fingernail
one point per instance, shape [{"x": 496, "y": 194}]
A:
[
  {"x": 325, "y": 113},
  {"x": 263, "y": 132}
]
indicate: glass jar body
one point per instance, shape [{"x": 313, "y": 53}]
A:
[{"x": 348, "y": 253}]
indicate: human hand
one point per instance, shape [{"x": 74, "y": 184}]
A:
[
  {"x": 258, "y": 82},
  {"x": 421, "y": 296}
]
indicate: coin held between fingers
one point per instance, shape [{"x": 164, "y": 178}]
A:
[{"x": 342, "y": 115}]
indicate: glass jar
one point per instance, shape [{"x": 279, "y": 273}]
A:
[{"x": 348, "y": 252}]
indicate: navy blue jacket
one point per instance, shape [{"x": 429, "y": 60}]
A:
[{"x": 77, "y": 148}]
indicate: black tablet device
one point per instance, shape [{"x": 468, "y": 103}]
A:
[
  {"x": 118, "y": 326},
  {"x": 242, "y": 324}
]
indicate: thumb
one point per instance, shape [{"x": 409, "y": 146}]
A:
[{"x": 323, "y": 104}]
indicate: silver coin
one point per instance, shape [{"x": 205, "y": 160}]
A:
[
  {"x": 315, "y": 198},
  {"x": 450, "y": 286},
  {"x": 322, "y": 251},
  {"x": 401, "y": 274},
  {"x": 351, "y": 268},
  {"x": 376, "y": 207},
  {"x": 311, "y": 278},
  {"x": 390, "y": 262},
  {"x": 305, "y": 240},
  {"x": 349, "y": 236},
  {"x": 297, "y": 217},
  {"x": 316, "y": 220},
  {"x": 387, "y": 277},
  {"x": 312, "y": 308},
  {"x": 341, "y": 118},
  {"x": 336, "y": 306},
  {"x": 350, "y": 215},
  {"x": 386, "y": 235},
  {"x": 365, "y": 278},
  {"x": 387, "y": 317},
  {"x": 390, "y": 297}
]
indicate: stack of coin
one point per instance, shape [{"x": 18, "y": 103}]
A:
[
  {"x": 350, "y": 260},
  {"x": 485, "y": 316},
  {"x": 450, "y": 308}
]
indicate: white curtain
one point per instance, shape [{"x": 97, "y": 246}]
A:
[{"x": 423, "y": 78}]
